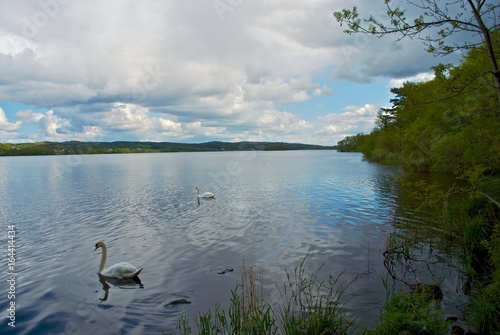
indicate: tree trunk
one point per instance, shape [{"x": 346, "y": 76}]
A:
[{"x": 489, "y": 48}]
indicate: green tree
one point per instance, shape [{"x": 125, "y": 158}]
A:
[
  {"x": 440, "y": 125},
  {"x": 437, "y": 22},
  {"x": 275, "y": 147},
  {"x": 351, "y": 143},
  {"x": 385, "y": 117}
]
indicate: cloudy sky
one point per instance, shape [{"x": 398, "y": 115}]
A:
[{"x": 195, "y": 70}]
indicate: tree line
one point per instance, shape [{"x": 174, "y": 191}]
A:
[
  {"x": 448, "y": 124},
  {"x": 121, "y": 147}
]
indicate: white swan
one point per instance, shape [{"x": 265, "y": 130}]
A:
[
  {"x": 121, "y": 270},
  {"x": 204, "y": 195}
]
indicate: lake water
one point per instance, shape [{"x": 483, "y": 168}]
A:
[{"x": 271, "y": 209}]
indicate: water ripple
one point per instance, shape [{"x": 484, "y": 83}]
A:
[{"x": 278, "y": 208}]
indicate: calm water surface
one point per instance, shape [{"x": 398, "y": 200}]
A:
[{"x": 271, "y": 209}]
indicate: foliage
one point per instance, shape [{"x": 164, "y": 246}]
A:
[
  {"x": 411, "y": 313},
  {"x": 451, "y": 18},
  {"x": 437, "y": 26},
  {"x": 468, "y": 218},
  {"x": 122, "y": 147},
  {"x": 351, "y": 143},
  {"x": 484, "y": 309},
  {"x": 276, "y": 147},
  {"x": 313, "y": 306},
  {"x": 448, "y": 124}
]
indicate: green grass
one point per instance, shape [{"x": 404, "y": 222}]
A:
[
  {"x": 484, "y": 309},
  {"x": 313, "y": 306},
  {"x": 414, "y": 313}
]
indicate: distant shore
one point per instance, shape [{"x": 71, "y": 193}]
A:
[{"x": 120, "y": 147}]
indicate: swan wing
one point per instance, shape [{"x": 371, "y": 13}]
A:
[
  {"x": 207, "y": 195},
  {"x": 121, "y": 270},
  {"x": 133, "y": 274}
]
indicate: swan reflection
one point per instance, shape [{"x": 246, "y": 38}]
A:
[
  {"x": 204, "y": 199},
  {"x": 131, "y": 283}
]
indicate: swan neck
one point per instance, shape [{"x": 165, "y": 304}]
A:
[{"x": 103, "y": 258}]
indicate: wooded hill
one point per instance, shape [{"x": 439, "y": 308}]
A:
[
  {"x": 77, "y": 147},
  {"x": 448, "y": 124}
]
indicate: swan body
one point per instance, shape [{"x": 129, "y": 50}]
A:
[
  {"x": 121, "y": 270},
  {"x": 204, "y": 195}
]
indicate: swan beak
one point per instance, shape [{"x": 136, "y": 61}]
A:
[{"x": 96, "y": 247}]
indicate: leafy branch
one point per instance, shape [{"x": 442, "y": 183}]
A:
[{"x": 439, "y": 20}]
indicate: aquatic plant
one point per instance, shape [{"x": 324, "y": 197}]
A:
[{"x": 308, "y": 306}]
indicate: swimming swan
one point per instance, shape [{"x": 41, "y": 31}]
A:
[
  {"x": 204, "y": 195},
  {"x": 121, "y": 270}
]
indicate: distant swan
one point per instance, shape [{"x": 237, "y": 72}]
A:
[
  {"x": 121, "y": 270},
  {"x": 204, "y": 195}
]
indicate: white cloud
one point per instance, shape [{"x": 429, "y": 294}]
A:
[
  {"x": 354, "y": 120},
  {"x": 29, "y": 116},
  {"x": 323, "y": 91},
  {"x": 90, "y": 133},
  {"x": 167, "y": 127},
  {"x": 282, "y": 122},
  {"x": 277, "y": 90},
  {"x": 196, "y": 128},
  {"x": 5, "y": 125},
  {"x": 420, "y": 77},
  {"x": 123, "y": 117},
  {"x": 81, "y": 56},
  {"x": 8, "y": 130},
  {"x": 115, "y": 69},
  {"x": 12, "y": 44},
  {"x": 52, "y": 127}
]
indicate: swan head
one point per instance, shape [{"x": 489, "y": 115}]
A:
[{"x": 99, "y": 244}]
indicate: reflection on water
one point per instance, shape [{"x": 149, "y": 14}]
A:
[
  {"x": 118, "y": 282},
  {"x": 271, "y": 209}
]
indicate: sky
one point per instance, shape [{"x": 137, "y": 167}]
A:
[{"x": 195, "y": 71}]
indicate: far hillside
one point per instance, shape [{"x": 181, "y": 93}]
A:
[{"x": 76, "y": 147}]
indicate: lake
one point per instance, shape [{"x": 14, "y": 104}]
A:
[{"x": 272, "y": 209}]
